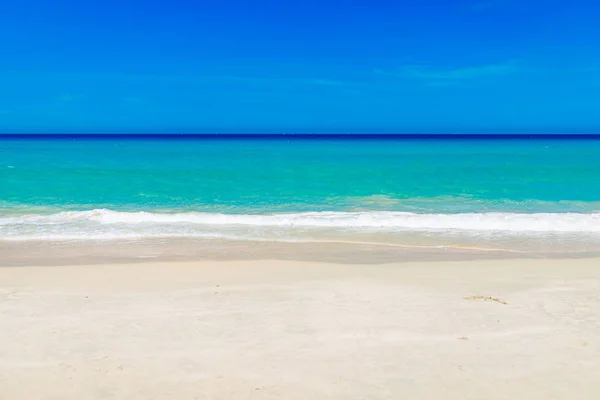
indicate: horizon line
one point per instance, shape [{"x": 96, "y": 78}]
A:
[{"x": 287, "y": 136}]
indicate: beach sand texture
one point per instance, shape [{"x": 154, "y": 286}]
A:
[{"x": 503, "y": 329}]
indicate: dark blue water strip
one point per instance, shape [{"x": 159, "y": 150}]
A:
[{"x": 299, "y": 136}]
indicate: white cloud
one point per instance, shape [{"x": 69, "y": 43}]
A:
[{"x": 449, "y": 76}]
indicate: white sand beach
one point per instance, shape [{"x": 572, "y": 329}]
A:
[{"x": 503, "y": 329}]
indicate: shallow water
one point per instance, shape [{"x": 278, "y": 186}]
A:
[{"x": 540, "y": 196}]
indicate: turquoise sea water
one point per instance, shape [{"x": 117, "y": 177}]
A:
[{"x": 385, "y": 191}]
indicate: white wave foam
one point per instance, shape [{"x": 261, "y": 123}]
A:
[
  {"x": 387, "y": 221},
  {"x": 76, "y": 236}
]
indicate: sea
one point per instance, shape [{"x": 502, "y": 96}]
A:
[{"x": 522, "y": 194}]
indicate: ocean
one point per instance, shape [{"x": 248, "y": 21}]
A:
[{"x": 538, "y": 195}]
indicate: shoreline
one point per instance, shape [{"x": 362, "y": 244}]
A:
[
  {"x": 266, "y": 329},
  {"x": 56, "y": 253}
]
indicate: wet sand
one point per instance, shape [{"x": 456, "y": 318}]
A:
[{"x": 56, "y": 253}]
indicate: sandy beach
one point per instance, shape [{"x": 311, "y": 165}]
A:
[{"x": 499, "y": 329}]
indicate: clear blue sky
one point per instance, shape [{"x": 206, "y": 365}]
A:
[{"x": 300, "y": 66}]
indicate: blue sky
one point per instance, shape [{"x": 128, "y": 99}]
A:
[{"x": 300, "y": 66}]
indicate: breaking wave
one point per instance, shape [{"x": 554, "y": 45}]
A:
[{"x": 381, "y": 220}]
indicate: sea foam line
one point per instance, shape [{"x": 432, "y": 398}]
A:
[{"x": 383, "y": 220}]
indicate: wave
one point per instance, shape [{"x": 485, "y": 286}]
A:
[
  {"x": 380, "y": 220},
  {"x": 463, "y": 204}
]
